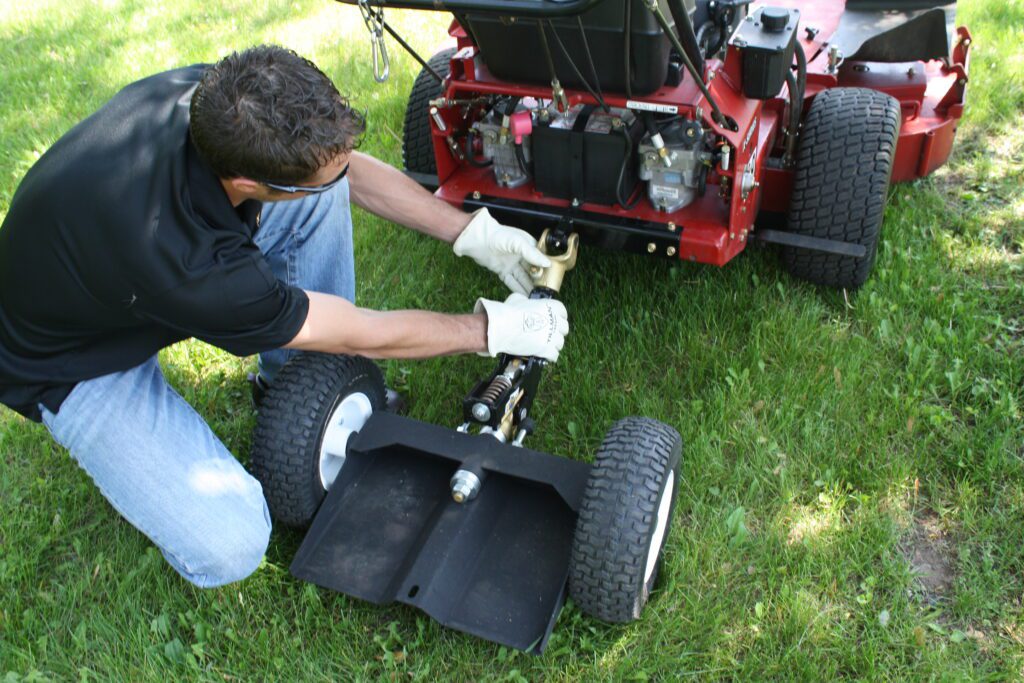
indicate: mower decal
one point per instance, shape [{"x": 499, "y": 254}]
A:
[{"x": 652, "y": 106}]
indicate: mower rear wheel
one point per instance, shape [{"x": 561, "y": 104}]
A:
[
  {"x": 844, "y": 165},
  {"x": 625, "y": 518},
  {"x": 315, "y": 404},
  {"x": 417, "y": 145}
]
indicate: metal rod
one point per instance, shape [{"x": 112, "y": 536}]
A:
[
  {"x": 565, "y": 53},
  {"x": 716, "y": 113}
]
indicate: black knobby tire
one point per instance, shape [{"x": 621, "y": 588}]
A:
[
  {"x": 290, "y": 427},
  {"x": 417, "y": 145},
  {"x": 618, "y": 516},
  {"x": 844, "y": 165}
]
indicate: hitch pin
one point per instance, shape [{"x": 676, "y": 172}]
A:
[{"x": 436, "y": 115}]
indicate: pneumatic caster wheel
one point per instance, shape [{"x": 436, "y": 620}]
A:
[
  {"x": 316, "y": 403},
  {"x": 625, "y": 519}
]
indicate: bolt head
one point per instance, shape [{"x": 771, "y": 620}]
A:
[
  {"x": 476, "y": 195},
  {"x": 481, "y": 412},
  {"x": 671, "y": 227},
  {"x": 671, "y": 251},
  {"x": 651, "y": 248}
]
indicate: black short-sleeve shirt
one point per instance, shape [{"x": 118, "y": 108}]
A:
[{"x": 120, "y": 241}]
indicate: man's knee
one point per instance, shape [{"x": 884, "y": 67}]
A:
[{"x": 230, "y": 553}]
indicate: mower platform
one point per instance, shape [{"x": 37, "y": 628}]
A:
[{"x": 494, "y": 566}]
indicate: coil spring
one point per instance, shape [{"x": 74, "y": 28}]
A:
[{"x": 495, "y": 389}]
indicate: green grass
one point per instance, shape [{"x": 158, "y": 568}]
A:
[{"x": 827, "y": 439}]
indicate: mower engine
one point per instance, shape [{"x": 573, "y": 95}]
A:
[
  {"x": 677, "y": 175},
  {"x": 506, "y": 144}
]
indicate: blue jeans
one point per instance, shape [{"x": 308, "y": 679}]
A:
[{"x": 157, "y": 461}]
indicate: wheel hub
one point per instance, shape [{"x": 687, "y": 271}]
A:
[
  {"x": 347, "y": 418},
  {"x": 661, "y": 525}
]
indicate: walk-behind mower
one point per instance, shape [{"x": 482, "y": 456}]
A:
[{"x": 615, "y": 123}]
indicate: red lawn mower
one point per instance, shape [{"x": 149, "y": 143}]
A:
[{"x": 664, "y": 128}]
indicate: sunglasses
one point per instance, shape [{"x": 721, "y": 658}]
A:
[{"x": 311, "y": 189}]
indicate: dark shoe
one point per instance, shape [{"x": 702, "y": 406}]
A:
[
  {"x": 259, "y": 388},
  {"x": 395, "y": 402}
]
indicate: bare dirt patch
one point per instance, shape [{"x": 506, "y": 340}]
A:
[{"x": 930, "y": 555}]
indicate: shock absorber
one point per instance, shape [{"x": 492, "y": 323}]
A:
[{"x": 490, "y": 396}]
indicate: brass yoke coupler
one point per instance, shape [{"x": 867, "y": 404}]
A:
[{"x": 552, "y": 276}]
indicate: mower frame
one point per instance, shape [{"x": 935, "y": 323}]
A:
[{"x": 719, "y": 225}]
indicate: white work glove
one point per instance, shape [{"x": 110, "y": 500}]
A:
[
  {"x": 525, "y": 327},
  {"x": 501, "y": 249}
]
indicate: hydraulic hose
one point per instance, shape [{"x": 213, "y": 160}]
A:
[
  {"x": 797, "y": 88},
  {"x": 628, "y": 66},
  {"x": 521, "y": 159},
  {"x": 622, "y": 173}
]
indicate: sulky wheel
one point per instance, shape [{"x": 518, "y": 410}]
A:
[
  {"x": 314, "y": 405},
  {"x": 844, "y": 164},
  {"x": 417, "y": 143},
  {"x": 624, "y": 519}
]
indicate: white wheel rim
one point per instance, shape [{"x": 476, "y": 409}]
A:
[
  {"x": 347, "y": 418},
  {"x": 661, "y": 525}
]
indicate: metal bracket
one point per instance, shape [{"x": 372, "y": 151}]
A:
[{"x": 792, "y": 239}]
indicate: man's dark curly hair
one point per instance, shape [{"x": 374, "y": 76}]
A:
[{"x": 268, "y": 114}]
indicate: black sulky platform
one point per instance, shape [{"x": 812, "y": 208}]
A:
[{"x": 494, "y": 567}]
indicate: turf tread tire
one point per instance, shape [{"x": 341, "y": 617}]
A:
[
  {"x": 618, "y": 516},
  {"x": 417, "y": 143},
  {"x": 291, "y": 423},
  {"x": 843, "y": 169}
]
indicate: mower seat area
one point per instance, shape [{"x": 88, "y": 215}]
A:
[
  {"x": 893, "y": 31},
  {"x": 513, "y": 49}
]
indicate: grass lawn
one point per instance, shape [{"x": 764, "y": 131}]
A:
[{"x": 833, "y": 445}]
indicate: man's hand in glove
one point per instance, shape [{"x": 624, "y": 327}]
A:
[
  {"x": 525, "y": 327},
  {"x": 501, "y": 249}
]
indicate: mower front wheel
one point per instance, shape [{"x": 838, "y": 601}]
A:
[
  {"x": 625, "y": 519},
  {"x": 315, "y": 404}
]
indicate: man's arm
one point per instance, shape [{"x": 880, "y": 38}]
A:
[
  {"x": 385, "y": 191},
  {"x": 335, "y": 325}
]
